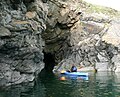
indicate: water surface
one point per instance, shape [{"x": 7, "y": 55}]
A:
[{"x": 103, "y": 84}]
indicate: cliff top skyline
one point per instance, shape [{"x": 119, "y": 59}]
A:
[{"x": 108, "y": 3}]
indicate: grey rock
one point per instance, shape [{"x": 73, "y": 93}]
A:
[
  {"x": 21, "y": 43},
  {"x": 102, "y": 57},
  {"x": 4, "y": 32}
]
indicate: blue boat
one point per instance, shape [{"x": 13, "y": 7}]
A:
[{"x": 75, "y": 75}]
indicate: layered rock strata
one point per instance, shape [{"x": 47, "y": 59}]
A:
[
  {"x": 21, "y": 45},
  {"x": 65, "y": 31},
  {"x": 77, "y": 34}
]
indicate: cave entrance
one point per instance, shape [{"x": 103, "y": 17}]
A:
[{"x": 49, "y": 61}]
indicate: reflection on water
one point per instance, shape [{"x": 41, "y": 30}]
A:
[
  {"x": 103, "y": 84},
  {"x": 71, "y": 77}
]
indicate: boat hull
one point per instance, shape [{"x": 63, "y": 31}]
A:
[{"x": 76, "y": 74}]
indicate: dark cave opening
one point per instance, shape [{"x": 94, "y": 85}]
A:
[{"x": 49, "y": 61}]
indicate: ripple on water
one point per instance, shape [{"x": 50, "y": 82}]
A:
[{"x": 98, "y": 85}]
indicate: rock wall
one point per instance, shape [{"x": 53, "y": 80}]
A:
[
  {"x": 77, "y": 34},
  {"x": 21, "y": 45},
  {"x": 71, "y": 31}
]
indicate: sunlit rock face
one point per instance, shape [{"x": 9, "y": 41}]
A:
[
  {"x": 21, "y": 45},
  {"x": 76, "y": 34}
]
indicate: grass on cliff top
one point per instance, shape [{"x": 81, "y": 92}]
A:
[{"x": 90, "y": 8}]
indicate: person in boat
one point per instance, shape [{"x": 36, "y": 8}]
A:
[{"x": 73, "y": 68}]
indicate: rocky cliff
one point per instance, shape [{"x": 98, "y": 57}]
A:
[
  {"x": 56, "y": 33},
  {"x": 82, "y": 34},
  {"x": 21, "y": 45}
]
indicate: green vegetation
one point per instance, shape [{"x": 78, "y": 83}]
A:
[
  {"x": 99, "y": 9},
  {"x": 102, "y": 9}
]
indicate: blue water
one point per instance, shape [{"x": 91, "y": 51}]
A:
[{"x": 103, "y": 84}]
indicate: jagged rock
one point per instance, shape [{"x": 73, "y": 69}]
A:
[
  {"x": 63, "y": 29},
  {"x": 85, "y": 42},
  {"x": 21, "y": 44}
]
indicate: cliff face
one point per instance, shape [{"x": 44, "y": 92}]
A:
[
  {"x": 50, "y": 32},
  {"x": 21, "y": 45},
  {"x": 82, "y": 34}
]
